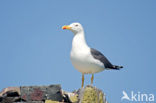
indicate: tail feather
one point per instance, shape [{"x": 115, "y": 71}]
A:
[{"x": 116, "y": 67}]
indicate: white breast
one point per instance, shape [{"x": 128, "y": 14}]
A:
[
  {"x": 84, "y": 63},
  {"x": 82, "y": 59}
]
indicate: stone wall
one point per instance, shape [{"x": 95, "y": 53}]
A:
[{"x": 51, "y": 94}]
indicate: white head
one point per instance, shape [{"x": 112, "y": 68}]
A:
[{"x": 74, "y": 27}]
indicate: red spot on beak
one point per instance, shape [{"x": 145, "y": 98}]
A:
[{"x": 64, "y": 28}]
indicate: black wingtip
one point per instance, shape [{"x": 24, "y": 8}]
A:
[
  {"x": 117, "y": 67},
  {"x": 121, "y": 66}
]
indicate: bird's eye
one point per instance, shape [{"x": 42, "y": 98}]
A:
[{"x": 76, "y": 25}]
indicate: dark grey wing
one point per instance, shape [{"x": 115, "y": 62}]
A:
[{"x": 97, "y": 55}]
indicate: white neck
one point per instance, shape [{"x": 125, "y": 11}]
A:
[{"x": 79, "y": 42}]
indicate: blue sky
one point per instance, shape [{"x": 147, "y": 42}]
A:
[{"x": 34, "y": 50}]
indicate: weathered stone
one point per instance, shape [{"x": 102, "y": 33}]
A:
[
  {"x": 73, "y": 97},
  {"x": 51, "y": 94},
  {"x": 9, "y": 95},
  {"x": 10, "y": 99},
  {"x": 91, "y": 94},
  {"x": 40, "y": 93},
  {"x": 12, "y": 89},
  {"x": 30, "y": 102},
  {"x": 70, "y": 97}
]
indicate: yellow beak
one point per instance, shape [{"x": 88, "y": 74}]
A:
[{"x": 66, "y": 27}]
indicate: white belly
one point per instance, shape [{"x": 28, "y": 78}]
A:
[{"x": 85, "y": 63}]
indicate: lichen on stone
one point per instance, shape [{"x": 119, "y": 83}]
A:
[
  {"x": 51, "y": 94},
  {"x": 51, "y": 101},
  {"x": 92, "y": 95},
  {"x": 74, "y": 98}
]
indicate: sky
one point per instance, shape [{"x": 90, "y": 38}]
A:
[{"x": 34, "y": 50}]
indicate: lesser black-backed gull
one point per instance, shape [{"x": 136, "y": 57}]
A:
[{"x": 85, "y": 59}]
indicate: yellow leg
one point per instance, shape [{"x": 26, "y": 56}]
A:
[
  {"x": 92, "y": 78},
  {"x": 82, "y": 80}
]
